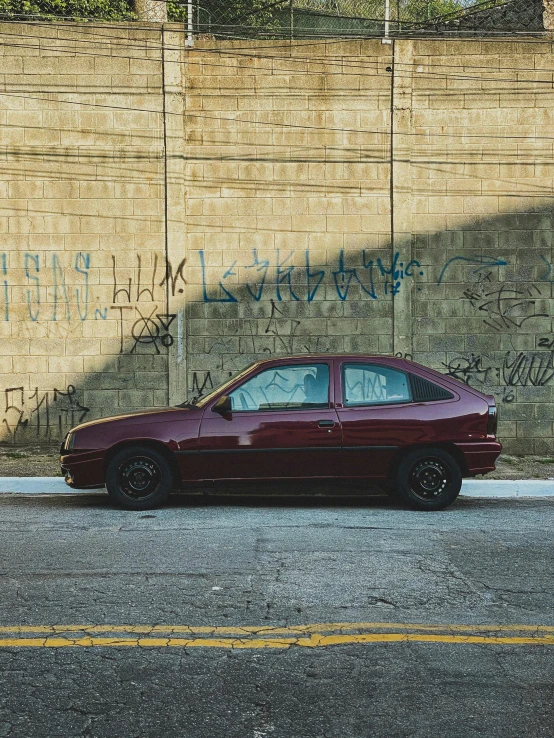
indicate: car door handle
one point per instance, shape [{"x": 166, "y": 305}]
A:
[{"x": 326, "y": 423}]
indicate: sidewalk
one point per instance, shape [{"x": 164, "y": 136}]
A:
[{"x": 479, "y": 488}]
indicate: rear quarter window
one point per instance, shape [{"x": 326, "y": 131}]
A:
[{"x": 425, "y": 391}]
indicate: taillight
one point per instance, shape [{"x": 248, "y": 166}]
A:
[{"x": 492, "y": 423}]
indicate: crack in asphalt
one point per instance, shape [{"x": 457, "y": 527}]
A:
[{"x": 481, "y": 565}]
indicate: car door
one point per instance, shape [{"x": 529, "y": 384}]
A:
[
  {"x": 376, "y": 413},
  {"x": 282, "y": 425}
]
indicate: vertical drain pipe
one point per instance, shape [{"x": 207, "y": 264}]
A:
[{"x": 391, "y": 170}]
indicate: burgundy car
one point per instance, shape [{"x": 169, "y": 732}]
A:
[{"x": 300, "y": 417}]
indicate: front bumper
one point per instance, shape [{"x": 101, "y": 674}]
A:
[
  {"x": 83, "y": 469},
  {"x": 480, "y": 457}
]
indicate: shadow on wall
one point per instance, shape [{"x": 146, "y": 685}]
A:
[{"x": 481, "y": 301}]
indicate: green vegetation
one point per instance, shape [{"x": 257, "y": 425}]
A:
[
  {"x": 106, "y": 10},
  {"x": 423, "y": 10},
  {"x": 237, "y": 16},
  {"x": 214, "y": 12},
  {"x": 216, "y": 16}
]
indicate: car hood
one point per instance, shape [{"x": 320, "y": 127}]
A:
[{"x": 152, "y": 415}]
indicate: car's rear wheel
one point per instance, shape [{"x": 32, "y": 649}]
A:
[
  {"x": 428, "y": 479},
  {"x": 139, "y": 478}
]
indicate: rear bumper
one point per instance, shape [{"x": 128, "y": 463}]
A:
[
  {"x": 480, "y": 457},
  {"x": 83, "y": 469}
]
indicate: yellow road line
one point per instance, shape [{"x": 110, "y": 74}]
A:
[
  {"x": 313, "y": 641},
  {"x": 270, "y": 630}
]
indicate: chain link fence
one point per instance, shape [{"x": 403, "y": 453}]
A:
[
  {"x": 300, "y": 19},
  {"x": 304, "y": 19}
]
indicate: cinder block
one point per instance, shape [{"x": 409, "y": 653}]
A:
[
  {"x": 534, "y": 429},
  {"x": 325, "y": 190}
]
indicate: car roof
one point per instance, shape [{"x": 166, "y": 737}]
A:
[{"x": 326, "y": 356}]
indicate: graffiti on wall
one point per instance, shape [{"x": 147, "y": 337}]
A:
[
  {"x": 41, "y": 414},
  {"x": 515, "y": 369},
  {"x": 548, "y": 273},
  {"x": 504, "y": 306},
  {"x": 69, "y": 289},
  {"x": 150, "y": 329},
  {"x": 144, "y": 286},
  {"x": 280, "y": 279},
  {"x": 58, "y": 293},
  {"x": 478, "y": 262}
]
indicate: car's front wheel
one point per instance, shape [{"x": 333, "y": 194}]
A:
[
  {"x": 428, "y": 479},
  {"x": 138, "y": 478}
]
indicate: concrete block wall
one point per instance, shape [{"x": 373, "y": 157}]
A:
[
  {"x": 481, "y": 191},
  {"x": 273, "y": 213},
  {"x": 81, "y": 226},
  {"x": 289, "y": 185},
  {"x": 286, "y": 196}
]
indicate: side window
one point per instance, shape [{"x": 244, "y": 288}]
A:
[
  {"x": 284, "y": 388},
  {"x": 369, "y": 384}
]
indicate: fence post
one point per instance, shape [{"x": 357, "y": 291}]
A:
[
  {"x": 291, "y": 16},
  {"x": 151, "y": 10},
  {"x": 548, "y": 15},
  {"x": 189, "y": 41}
]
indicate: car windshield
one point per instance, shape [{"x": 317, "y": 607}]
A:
[{"x": 201, "y": 400}]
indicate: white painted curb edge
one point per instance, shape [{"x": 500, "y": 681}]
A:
[
  {"x": 40, "y": 486},
  {"x": 478, "y": 488},
  {"x": 507, "y": 488}
]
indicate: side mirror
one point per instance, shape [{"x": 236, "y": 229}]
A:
[{"x": 223, "y": 406}]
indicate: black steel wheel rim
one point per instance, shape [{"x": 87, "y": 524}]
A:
[
  {"x": 429, "y": 478},
  {"x": 139, "y": 477}
]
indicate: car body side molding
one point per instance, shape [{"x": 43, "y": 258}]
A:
[{"x": 248, "y": 450}]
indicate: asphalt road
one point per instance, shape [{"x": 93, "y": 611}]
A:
[{"x": 306, "y": 619}]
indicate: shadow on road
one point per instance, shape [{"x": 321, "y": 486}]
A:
[{"x": 278, "y": 494}]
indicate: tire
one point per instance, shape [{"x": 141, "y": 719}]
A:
[
  {"x": 139, "y": 478},
  {"x": 428, "y": 479}
]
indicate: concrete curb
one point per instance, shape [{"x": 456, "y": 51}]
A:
[
  {"x": 40, "y": 486},
  {"x": 507, "y": 488},
  {"x": 478, "y": 488}
]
